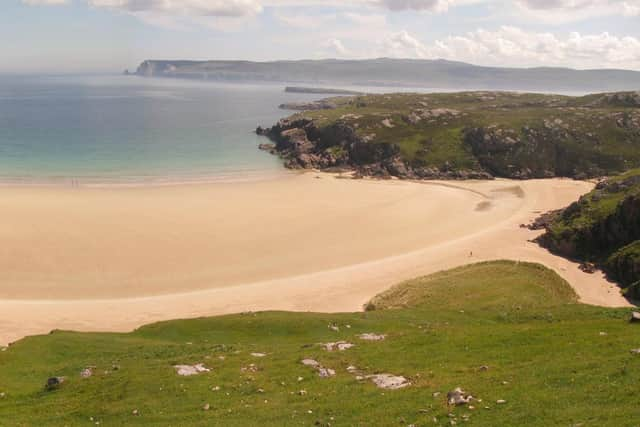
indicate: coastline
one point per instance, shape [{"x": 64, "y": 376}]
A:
[
  {"x": 308, "y": 242},
  {"x": 143, "y": 181}
]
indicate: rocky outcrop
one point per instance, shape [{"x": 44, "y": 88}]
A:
[
  {"x": 542, "y": 152},
  {"x": 304, "y": 145},
  {"x": 600, "y": 238},
  {"x": 624, "y": 267},
  {"x": 602, "y": 228}
]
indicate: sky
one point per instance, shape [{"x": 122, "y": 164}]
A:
[{"x": 62, "y": 36}]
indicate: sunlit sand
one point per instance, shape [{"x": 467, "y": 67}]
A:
[{"x": 116, "y": 258}]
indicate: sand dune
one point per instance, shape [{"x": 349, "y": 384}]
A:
[{"x": 115, "y": 258}]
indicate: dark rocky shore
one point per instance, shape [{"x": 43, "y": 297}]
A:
[{"x": 303, "y": 145}]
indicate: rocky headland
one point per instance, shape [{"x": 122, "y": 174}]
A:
[
  {"x": 470, "y": 135},
  {"x": 601, "y": 229}
]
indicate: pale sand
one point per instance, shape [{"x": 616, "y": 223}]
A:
[{"x": 113, "y": 259}]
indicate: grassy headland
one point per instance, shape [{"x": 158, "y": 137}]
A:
[
  {"x": 465, "y": 135},
  {"x": 501, "y": 331}
]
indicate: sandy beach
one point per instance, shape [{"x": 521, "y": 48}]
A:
[{"x": 112, "y": 259}]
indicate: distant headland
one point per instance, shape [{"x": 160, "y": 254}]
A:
[{"x": 433, "y": 74}]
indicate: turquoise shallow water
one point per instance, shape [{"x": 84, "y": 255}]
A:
[{"x": 117, "y": 128}]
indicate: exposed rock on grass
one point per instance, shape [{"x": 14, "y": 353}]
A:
[
  {"x": 189, "y": 370},
  {"x": 372, "y": 337},
  {"x": 458, "y": 397},
  {"x": 388, "y": 381},
  {"x": 340, "y": 346},
  {"x": 322, "y": 371},
  {"x": 87, "y": 372}
]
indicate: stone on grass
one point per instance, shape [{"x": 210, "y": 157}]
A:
[
  {"x": 258, "y": 354},
  {"x": 326, "y": 372},
  {"x": 206, "y": 407},
  {"x": 635, "y": 317},
  {"x": 372, "y": 337},
  {"x": 501, "y": 401},
  {"x": 53, "y": 383},
  {"x": 635, "y": 351},
  {"x": 310, "y": 362},
  {"x": 458, "y": 397},
  {"x": 389, "y": 382},
  {"x": 322, "y": 371},
  {"x": 86, "y": 372},
  {"x": 189, "y": 370},
  {"x": 252, "y": 367},
  {"x": 340, "y": 346}
]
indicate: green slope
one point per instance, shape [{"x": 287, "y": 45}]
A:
[{"x": 545, "y": 354}]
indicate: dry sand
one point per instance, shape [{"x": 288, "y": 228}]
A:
[{"x": 113, "y": 259}]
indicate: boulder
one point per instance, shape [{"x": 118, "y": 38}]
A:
[{"x": 53, "y": 383}]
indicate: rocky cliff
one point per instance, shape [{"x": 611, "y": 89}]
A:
[{"x": 465, "y": 135}]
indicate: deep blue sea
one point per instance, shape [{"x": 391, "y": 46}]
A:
[{"x": 125, "y": 128}]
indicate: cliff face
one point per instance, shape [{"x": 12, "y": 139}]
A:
[
  {"x": 602, "y": 227},
  {"x": 465, "y": 135}
]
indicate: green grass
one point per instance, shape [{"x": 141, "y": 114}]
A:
[{"x": 545, "y": 353}]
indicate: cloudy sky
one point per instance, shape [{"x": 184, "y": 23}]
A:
[{"x": 110, "y": 35}]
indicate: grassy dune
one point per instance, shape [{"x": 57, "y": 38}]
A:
[{"x": 554, "y": 361}]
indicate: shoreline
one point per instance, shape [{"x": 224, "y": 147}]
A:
[
  {"x": 145, "y": 181},
  {"x": 317, "y": 244}
]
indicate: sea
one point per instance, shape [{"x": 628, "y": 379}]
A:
[
  {"x": 123, "y": 130},
  {"x": 126, "y": 129}
]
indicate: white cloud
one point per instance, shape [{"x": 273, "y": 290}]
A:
[
  {"x": 335, "y": 47},
  {"x": 45, "y": 2},
  {"x": 430, "y": 5},
  {"x": 511, "y": 46},
  {"x": 403, "y": 45},
  {"x": 564, "y": 11},
  {"x": 230, "y": 8},
  {"x": 630, "y": 9}
]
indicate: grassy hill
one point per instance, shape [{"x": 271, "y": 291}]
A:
[
  {"x": 603, "y": 227},
  {"x": 501, "y": 331},
  {"x": 466, "y": 135}
]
